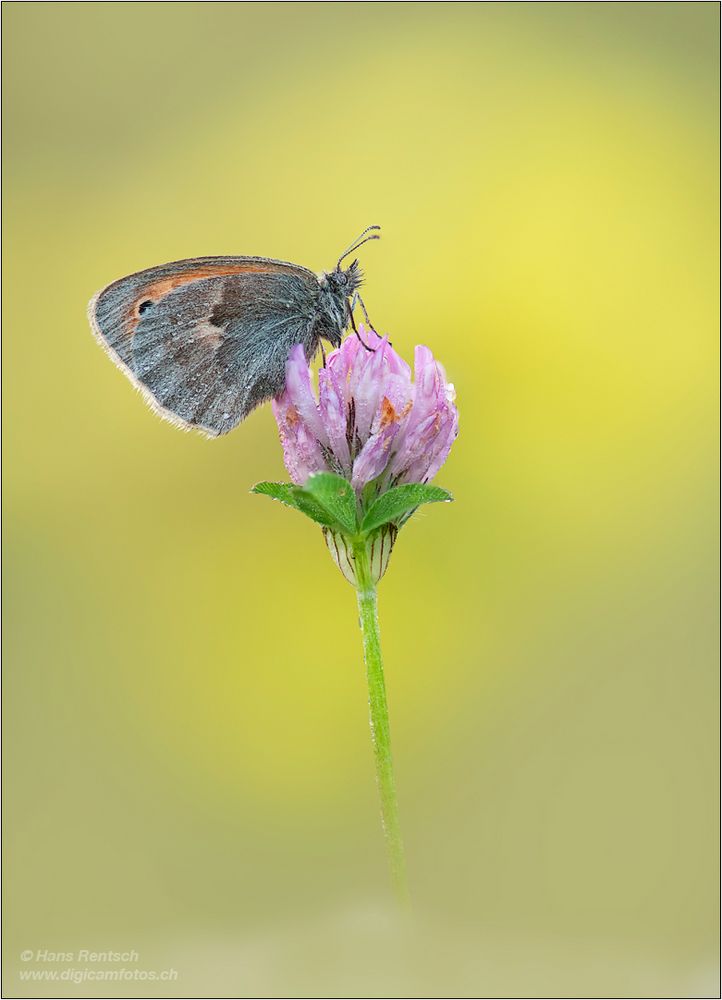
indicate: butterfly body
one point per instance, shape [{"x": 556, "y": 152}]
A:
[{"x": 206, "y": 339}]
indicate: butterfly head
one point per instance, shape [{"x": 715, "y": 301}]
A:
[
  {"x": 345, "y": 283},
  {"x": 337, "y": 289}
]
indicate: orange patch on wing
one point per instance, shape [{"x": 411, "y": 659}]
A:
[{"x": 164, "y": 286}]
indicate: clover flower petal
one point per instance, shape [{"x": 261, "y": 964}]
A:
[{"x": 371, "y": 422}]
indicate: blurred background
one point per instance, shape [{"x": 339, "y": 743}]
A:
[{"x": 188, "y": 767}]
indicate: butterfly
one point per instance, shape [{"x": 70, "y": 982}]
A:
[{"x": 206, "y": 339}]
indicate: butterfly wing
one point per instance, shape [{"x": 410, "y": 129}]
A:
[{"x": 206, "y": 340}]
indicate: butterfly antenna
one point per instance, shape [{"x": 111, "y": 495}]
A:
[{"x": 359, "y": 241}]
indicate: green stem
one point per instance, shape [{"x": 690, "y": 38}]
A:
[{"x": 379, "y": 717}]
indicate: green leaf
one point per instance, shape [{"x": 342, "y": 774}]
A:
[
  {"x": 400, "y": 500},
  {"x": 293, "y": 496},
  {"x": 308, "y": 506},
  {"x": 335, "y": 496},
  {"x": 277, "y": 491}
]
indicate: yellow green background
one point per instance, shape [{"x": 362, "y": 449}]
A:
[{"x": 188, "y": 769}]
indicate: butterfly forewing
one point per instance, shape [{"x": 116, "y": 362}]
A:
[{"x": 207, "y": 339}]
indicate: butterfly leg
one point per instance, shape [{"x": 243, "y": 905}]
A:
[
  {"x": 323, "y": 355},
  {"x": 357, "y": 298},
  {"x": 360, "y": 339},
  {"x": 365, "y": 311}
]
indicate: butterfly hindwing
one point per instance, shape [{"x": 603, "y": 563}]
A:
[{"x": 207, "y": 340}]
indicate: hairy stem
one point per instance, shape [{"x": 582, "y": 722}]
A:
[{"x": 379, "y": 717}]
